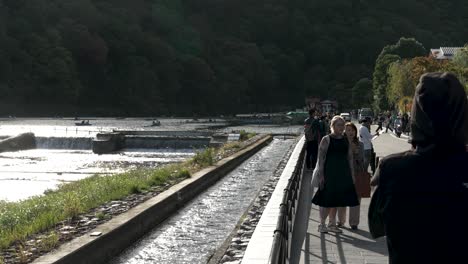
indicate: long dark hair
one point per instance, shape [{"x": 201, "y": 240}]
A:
[{"x": 353, "y": 126}]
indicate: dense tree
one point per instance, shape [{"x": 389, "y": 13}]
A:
[
  {"x": 362, "y": 93},
  {"x": 403, "y": 49},
  {"x": 183, "y": 57}
]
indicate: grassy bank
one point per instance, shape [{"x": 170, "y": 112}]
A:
[{"x": 18, "y": 220}]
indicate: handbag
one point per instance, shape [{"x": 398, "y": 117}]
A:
[
  {"x": 362, "y": 184},
  {"x": 375, "y": 214}
]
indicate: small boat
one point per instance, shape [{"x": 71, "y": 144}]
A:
[
  {"x": 154, "y": 123},
  {"x": 83, "y": 123}
]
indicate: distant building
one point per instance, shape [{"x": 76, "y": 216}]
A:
[
  {"x": 312, "y": 102},
  {"x": 329, "y": 106},
  {"x": 321, "y": 106},
  {"x": 444, "y": 53}
]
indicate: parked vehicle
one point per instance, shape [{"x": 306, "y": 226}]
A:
[
  {"x": 398, "y": 127},
  {"x": 346, "y": 117},
  {"x": 366, "y": 113}
]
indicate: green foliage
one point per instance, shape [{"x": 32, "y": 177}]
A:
[
  {"x": 400, "y": 84},
  {"x": 380, "y": 81},
  {"x": 362, "y": 93},
  {"x": 100, "y": 215},
  {"x": 245, "y": 135},
  {"x": 20, "y": 219},
  {"x": 183, "y": 57},
  {"x": 204, "y": 158},
  {"x": 461, "y": 58},
  {"x": 405, "y": 48},
  {"x": 49, "y": 242}
]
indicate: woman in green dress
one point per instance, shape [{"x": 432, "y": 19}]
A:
[{"x": 335, "y": 176}]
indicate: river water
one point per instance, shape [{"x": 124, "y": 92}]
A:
[
  {"x": 194, "y": 233},
  {"x": 64, "y": 153}
]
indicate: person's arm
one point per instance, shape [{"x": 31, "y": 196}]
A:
[
  {"x": 351, "y": 160},
  {"x": 375, "y": 180},
  {"x": 360, "y": 157},
  {"x": 364, "y": 133},
  {"x": 322, "y": 154}
]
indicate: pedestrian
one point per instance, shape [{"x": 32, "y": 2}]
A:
[
  {"x": 421, "y": 202},
  {"x": 335, "y": 176},
  {"x": 366, "y": 138},
  {"x": 313, "y": 137},
  {"x": 404, "y": 122},
  {"x": 389, "y": 123},
  {"x": 357, "y": 149},
  {"x": 380, "y": 121}
]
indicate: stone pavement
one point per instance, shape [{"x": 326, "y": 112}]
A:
[{"x": 350, "y": 247}]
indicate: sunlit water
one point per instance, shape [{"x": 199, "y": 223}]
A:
[
  {"x": 65, "y": 127},
  {"x": 64, "y": 150},
  {"x": 31, "y": 172},
  {"x": 64, "y": 153},
  {"x": 198, "y": 229}
]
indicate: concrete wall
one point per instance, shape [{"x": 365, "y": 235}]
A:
[
  {"x": 261, "y": 242},
  {"x": 20, "y": 142}
]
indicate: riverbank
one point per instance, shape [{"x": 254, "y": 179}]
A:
[{"x": 59, "y": 221}]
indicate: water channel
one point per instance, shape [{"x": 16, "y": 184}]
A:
[{"x": 194, "y": 233}]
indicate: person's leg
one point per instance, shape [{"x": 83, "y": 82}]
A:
[
  {"x": 341, "y": 216},
  {"x": 332, "y": 215},
  {"x": 354, "y": 213},
  {"x": 332, "y": 224},
  {"x": 314, "y": 154},
  {"x": 323, "y": 212},
  {"x": 367, "y": 158},
  {"x": 308, "y": 154}
]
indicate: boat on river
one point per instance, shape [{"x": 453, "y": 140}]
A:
[{"x": 83, "y": 123}]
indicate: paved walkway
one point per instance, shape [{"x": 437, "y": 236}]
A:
[{"x": 349, "y": 247}]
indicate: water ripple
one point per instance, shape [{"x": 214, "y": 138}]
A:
[{"x": 197, "y": 230}]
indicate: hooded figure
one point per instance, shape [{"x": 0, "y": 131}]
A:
[
  {"x": 421, "y": 203},
  {"x": 439, "y": 114}
]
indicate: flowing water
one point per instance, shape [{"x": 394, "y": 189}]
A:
[
  {"x": 198, "y": 229},
  {"x": 63, "y": 153}
]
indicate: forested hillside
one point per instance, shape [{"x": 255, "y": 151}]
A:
[{"x": 178, "y": 57}]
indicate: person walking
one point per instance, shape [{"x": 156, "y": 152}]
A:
[
  {"x": 366, "y": 138},
  {"x": 313, "y": 137},
  {"x": 429, "y": 182},
  {"x": 389, "y": 123},
  {"x": 380, "y": 121},
  {"x": 335, "y": 176},
  {"x": 357, "y": 149}
]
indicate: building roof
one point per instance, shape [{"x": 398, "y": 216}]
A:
[
  {"x": 450, "y": 51},
  {"x": 444, "y": 52}
]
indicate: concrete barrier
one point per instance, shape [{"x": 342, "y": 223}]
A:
[
  {"x": 123, "y": 230},
  {"x": 108, "y": 142},
  {"x": 20, "y": 142}
]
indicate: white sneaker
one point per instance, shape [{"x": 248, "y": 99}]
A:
[
  {"x": 322, "y": 229},
  {"x": 335, "y": 229}
]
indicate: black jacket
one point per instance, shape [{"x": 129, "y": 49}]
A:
[{"x": 425, "y": 206}]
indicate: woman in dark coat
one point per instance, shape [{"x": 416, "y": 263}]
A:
[{"x": 424, "y": 191}]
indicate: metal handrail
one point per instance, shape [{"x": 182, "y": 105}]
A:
[{"x": 285, "y": 224}]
